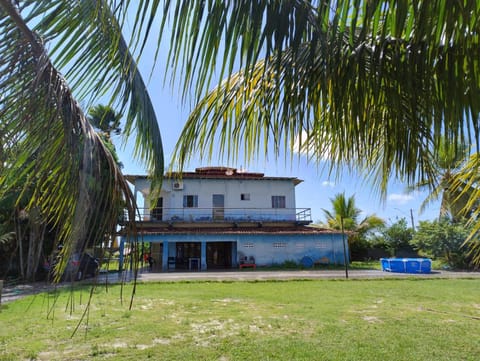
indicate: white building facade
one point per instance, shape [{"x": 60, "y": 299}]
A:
[{"x": 222, "y": 218}]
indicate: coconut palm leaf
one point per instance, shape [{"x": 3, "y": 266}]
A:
[
  {"x": 89, "y": 45},
  {"x": 447, "y": 159},
  {"x": 344, "y": 216},
  {"x": 376, "y": 83},
  {"x": 467, "y": 183},
  {"x": 7, "y": 237},
  {"x": 76, "y": 181}
]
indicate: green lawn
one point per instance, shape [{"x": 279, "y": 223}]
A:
[{"x": 296, "y": 320}]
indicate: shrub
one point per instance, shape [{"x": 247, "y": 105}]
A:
[
  {"x": 443, "y": 240},
  {"x": 397, "y": 238},
  {"x": 290, "y": 264}
]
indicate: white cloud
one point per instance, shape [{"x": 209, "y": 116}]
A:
[
  {"x": 328, "y": 184},
  {"x": 302, "y": 148},
  {"x": 400, "y": 198}
]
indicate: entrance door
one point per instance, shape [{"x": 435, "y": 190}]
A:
[
  {"x": 157, "y": 212},
  {"x": 218, "y": 202},
  {"x": 156, "y": 251},
  {"x": 219, "y": 255},
  {"x": 188, "y": 255}
]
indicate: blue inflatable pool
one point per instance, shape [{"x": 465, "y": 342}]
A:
[{"x": 406, "y": 265}]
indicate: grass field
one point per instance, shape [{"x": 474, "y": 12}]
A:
[{"x": 296, "y": 320}]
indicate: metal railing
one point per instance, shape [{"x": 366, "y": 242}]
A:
[{"x": 206, "y": 215}]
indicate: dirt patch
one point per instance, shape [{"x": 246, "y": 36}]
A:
[{"x": 16, "y": 292}]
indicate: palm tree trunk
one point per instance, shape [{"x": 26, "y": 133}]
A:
[
  {"x": 35, "y": 243},
  {"x": 19, "y": 236}
]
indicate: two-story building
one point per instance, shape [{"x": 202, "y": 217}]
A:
[{"x": 222, "y": 218}]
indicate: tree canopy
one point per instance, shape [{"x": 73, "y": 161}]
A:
[
  {"x": 75, "y": 179},
  {"x": 346, "y": 216}
]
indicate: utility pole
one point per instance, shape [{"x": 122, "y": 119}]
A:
[{"x": 344, "y": 249}]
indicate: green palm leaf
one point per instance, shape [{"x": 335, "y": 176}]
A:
[
  {"x": 374, "y": 83},
  {"x": 90, "y": 45},
  {"x": 76, "y": 182}
]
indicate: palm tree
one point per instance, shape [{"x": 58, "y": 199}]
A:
[
  {"x": 370, "y": 82},
  {"x": 445, "y": 185},
  {"x": 468, "y": 181},
  {"x": 105, "y": 119},
  {"x": 345, "y": 216},
  {"x": 40, "y": 113}
]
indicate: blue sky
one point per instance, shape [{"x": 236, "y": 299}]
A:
[{"x": 317, "y": 187}]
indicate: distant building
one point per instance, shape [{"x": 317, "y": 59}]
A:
[{"x": 223, "y": 218}]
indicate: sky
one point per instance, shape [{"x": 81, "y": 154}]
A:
[{"x": 317, "y": 188}]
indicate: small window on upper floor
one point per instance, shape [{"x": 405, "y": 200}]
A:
[
  {"x": 278, "y": 202},
  {"x": 245, "y": 196},
  {"x": 190, "y": 201}
]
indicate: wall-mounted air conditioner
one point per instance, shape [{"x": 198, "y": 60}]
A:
[{"x": 177, "y": 185}]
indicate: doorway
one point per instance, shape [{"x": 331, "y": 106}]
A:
[
  {"x": 218, "y": 202},
  {"x": 157, "y": 212},
  {"x": 219, "y": 255},
  {"x": 156, "y": 251},
  {"x": 188, "y": 255}
]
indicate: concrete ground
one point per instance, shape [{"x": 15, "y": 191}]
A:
[
  {"x": 259, "y": 275},
  {"x": 14, "y": 292}
]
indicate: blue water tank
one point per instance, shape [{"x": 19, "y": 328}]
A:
[{"x": 307, "y": 262}]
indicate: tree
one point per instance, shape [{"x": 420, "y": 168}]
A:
[
  {"x": 374, "y": 85},
  {"x": 345, "y": 216},
  {"x": 105, "y": 119},
  {"x": 23, "y": 228},
  {"x": 445, "y": 184},
  {"x": 444, "y": 240},
  {"x": 40, "y": 114},
  {"x": 397, "y": 236}
]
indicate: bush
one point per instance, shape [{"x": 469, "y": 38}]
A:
[
  {"x": 359, "y": 250},
  {"x": 397, "y": 238},
  {"x": 443, "y": 240},
  {"x": 290, "y": 264}
]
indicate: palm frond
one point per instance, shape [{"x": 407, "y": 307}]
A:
[
  {"x": 89, "y": 45},
  {"x": 7, "y": 237},
  {"x": 75, "y": 179},
  {"x": 374, "y": 85},
  {"x": 467, "y": 187}
]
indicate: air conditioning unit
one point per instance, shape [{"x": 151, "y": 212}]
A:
[{"x": 177, "y": 185}]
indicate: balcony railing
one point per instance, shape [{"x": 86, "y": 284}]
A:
[{"x": 206, "y": 215}]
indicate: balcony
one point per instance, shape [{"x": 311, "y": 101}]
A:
[{"x": 209, "y": 216}]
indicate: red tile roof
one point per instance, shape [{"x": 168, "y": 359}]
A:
[
  {"x": 240, "y": 230},
  {"x": 217, "y": 173}
]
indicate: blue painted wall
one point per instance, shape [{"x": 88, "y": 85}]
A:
[{"x": 267, "y": 249}]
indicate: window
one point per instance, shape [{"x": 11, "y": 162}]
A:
[
  {"x": 190, "y": 201},
  {"x": 279, "y": 244},
  {"x": 245, "y": 196},
  {"x": 278, "y": 201},
  {"x": 248, "y": 245}
]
